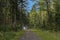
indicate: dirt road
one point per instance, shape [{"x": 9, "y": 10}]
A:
[{"x": 29, "y": 35}]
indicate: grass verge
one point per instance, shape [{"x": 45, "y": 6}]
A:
[
  {"x": 11, "y": 35},
  {"x": 46, "y": 35}
]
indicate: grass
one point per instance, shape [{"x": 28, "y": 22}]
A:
[
  {"x": 11, "y": 35},
  {"x": 1, "y": 35},
  {"x": 46, "y": 35}
]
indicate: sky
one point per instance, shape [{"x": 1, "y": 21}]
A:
[{"x": 30, "y": 4}]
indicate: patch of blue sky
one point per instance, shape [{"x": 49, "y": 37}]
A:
[{"x": 29, "y": 4}]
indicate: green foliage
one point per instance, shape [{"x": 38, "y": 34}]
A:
[
  {"x": 47, "y": 35},
  {"x": 10, "y": 35},
  {"x": 13, "y": 17},
  {"x": 47, "y": 17}
]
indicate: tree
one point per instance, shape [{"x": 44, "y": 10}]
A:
[
  {"x": 57, "y": 15},
  {"x": 23, "y": 17}
]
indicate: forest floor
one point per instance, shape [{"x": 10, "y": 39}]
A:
[
  {"x": 36, "y": 34},
  {"x": 32, "y": 34},
  {"x": 29, "y": 35},
  {"x": 11, "y": 35},
  {"x": 47, "y": 35}
]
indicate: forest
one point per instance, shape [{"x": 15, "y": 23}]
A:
[{"x": 14, "y": 15}]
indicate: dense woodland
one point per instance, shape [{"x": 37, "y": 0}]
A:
[{"x": 13, "y": 17}]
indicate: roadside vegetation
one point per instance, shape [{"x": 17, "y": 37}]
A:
[
  {"x": 47, "y": 35},
  {"x": 11, "y": 35}
]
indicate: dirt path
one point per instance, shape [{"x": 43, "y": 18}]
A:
[{"x": 29, "y": 35}]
